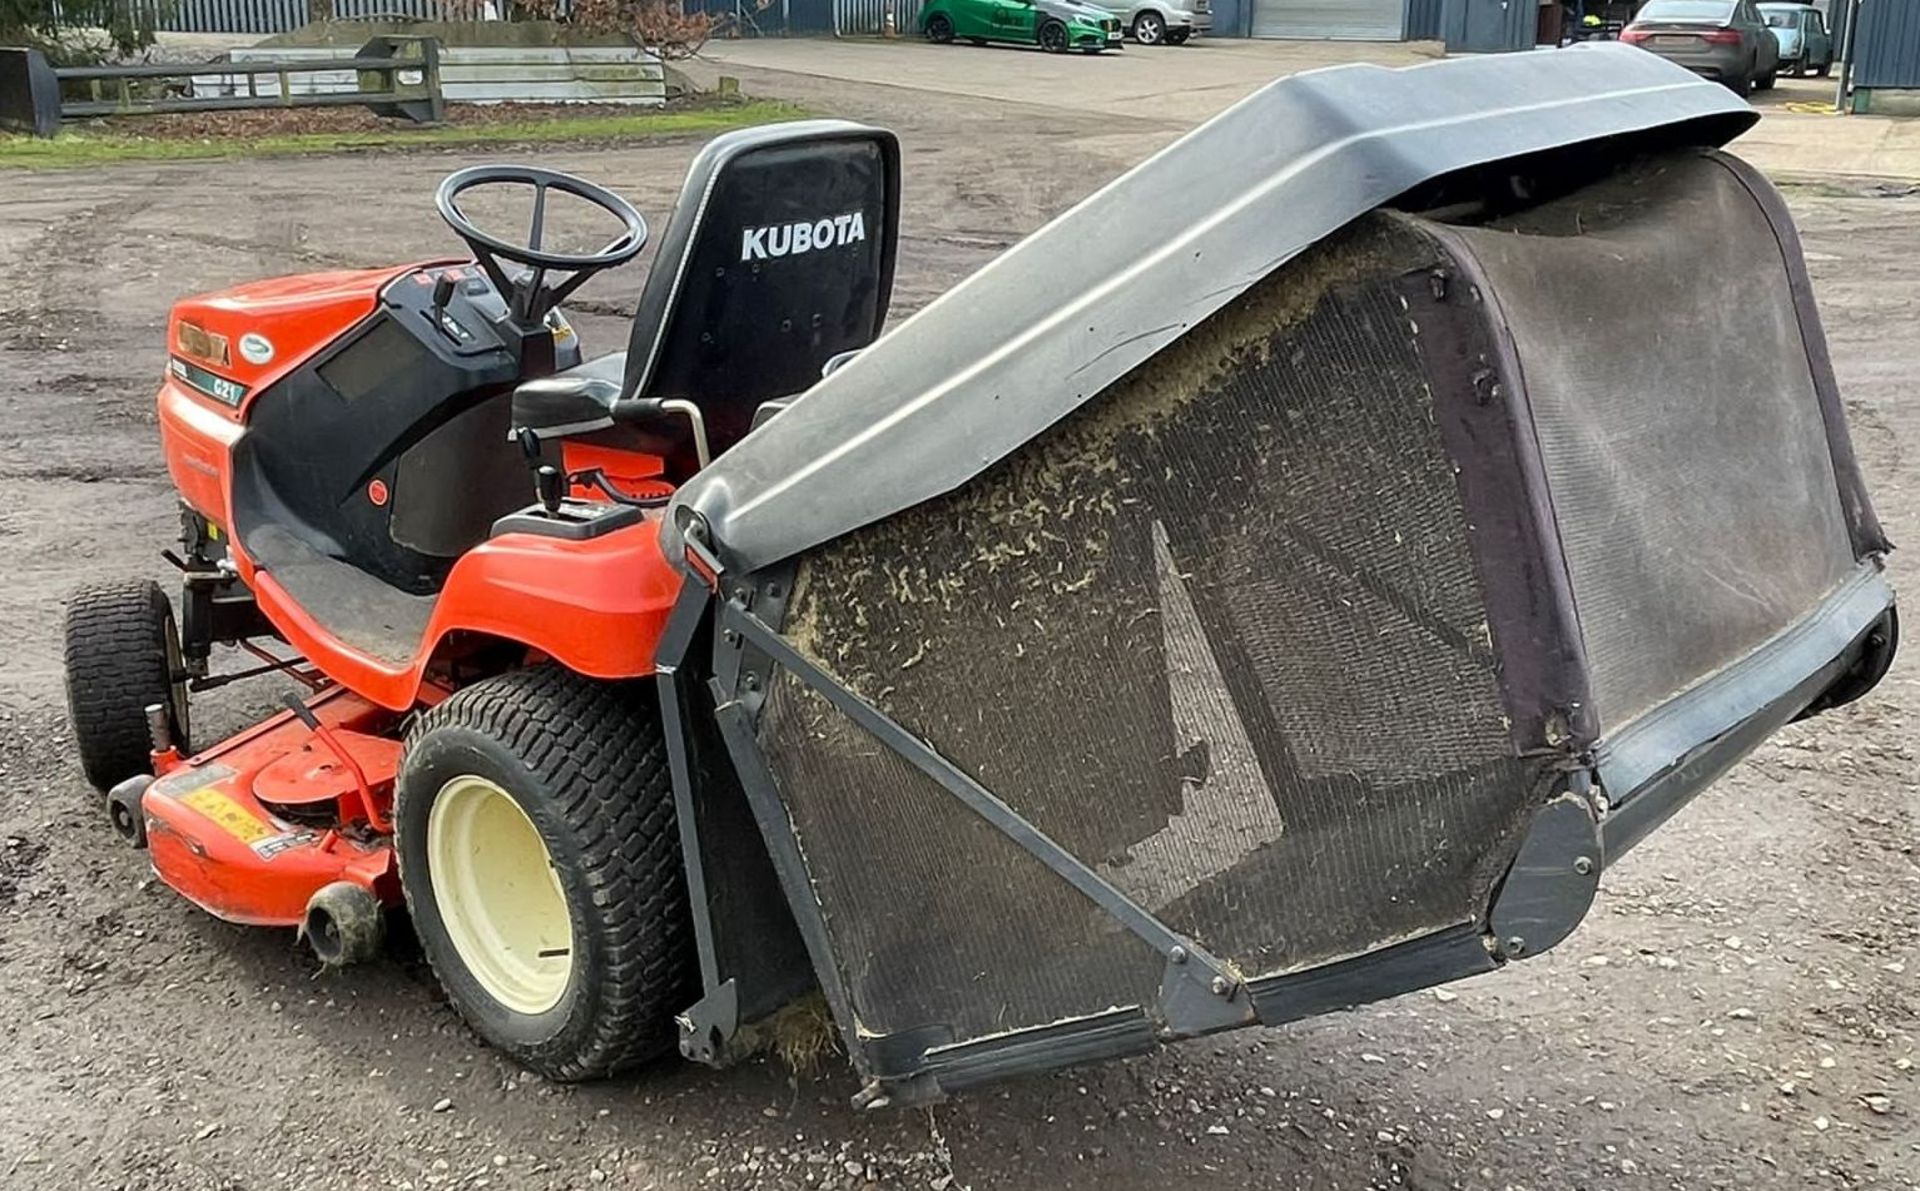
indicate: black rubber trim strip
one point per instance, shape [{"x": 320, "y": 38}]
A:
[
  {"x": 1445, "y": 955},
  {"x": 1481, "y": 409},
  {"x": 1796, "y": 664}
]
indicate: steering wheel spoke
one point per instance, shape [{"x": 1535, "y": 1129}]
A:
[{"x": 539, "y": 214}]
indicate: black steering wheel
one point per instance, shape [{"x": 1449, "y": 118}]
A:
[{"x": 529, "y": 296}]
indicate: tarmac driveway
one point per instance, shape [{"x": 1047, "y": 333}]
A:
[{"x": 1739, "y": 1011}]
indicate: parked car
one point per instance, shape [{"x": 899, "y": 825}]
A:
[
  {"x": 1152, "y": 22},
  {"x": 1724, "y": 40},
  {"x": 1805, "y": 41},
  {"x": 1054, "y": 25}
]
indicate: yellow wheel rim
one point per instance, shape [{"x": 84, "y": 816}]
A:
[{"x": 498, "y": 896}]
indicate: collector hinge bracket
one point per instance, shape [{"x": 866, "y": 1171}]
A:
[
  {"x": 1553, "y": 879},
  {"x": 1199, "y": 995},
  {"x": 709, "y": 1024}
]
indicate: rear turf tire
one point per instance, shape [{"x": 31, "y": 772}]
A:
[
  {"x": 581, "y": 767},
  {"x": 122, "y": 656}
]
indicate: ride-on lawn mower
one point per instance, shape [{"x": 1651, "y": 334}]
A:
[{"x": 1269, "y": 587}]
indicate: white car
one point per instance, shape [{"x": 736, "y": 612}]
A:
[{"x": 1154, "y": 22}]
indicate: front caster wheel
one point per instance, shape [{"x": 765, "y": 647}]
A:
[
  {"x": 344, "y": 925},
  {"x": 124, "y": 811},
  {"x": 538, "y": 851}
]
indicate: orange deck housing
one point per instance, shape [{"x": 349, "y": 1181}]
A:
[{"x": 217, "y": 836}]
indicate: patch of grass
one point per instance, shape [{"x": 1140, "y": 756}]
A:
[
  {"x": 85, "y": 148},
  {"x": 801, "y": 1035}
]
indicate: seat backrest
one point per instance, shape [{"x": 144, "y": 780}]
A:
[{"x": 777, "y": 257}]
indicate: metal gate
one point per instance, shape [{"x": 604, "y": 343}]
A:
[
  {"x": 867, "y": 18},
  {"x": 1344, "y": 20}
]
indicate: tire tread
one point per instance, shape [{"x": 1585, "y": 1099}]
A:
[
  {"x": 597, "y": 749},
  {"x": 116, "y": 665}
]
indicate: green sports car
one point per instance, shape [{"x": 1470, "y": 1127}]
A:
[{"x": 1054, "y": 25}]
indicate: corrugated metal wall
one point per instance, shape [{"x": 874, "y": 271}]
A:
[
  {"x": 271, "y": 16},
  {"x": 866, "y": 18},
  {"x": 1886, "y": 50},
  {"x": 1423, "y": 20},
  {"x": 1836, "y": 13},
  {"x": 1489, "y": 26},
  {"x": 768, "y": 18},
  {"x": 281, "y": 16},
  {"x": 1342, "y": 20},
  {"x": 809, "y": 16}
]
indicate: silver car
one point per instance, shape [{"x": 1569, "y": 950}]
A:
[
  {"x": 1805, "y": 42},
  {"x": 1153, "y": 22}
]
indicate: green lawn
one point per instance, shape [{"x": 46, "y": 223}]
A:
[{"x": 83, "y": 148}]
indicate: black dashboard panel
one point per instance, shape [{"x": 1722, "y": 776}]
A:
[{"x": 383, "y": 450}]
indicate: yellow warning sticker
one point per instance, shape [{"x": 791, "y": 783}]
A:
[{"x": 227, "y": 814}]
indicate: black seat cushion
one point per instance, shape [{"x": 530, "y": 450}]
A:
[{"x": 571, "y": 403}]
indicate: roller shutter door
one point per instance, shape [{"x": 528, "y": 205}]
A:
[{"x": 1347, "y": 20}]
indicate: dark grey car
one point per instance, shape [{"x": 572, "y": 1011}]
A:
[{"x": 1724, "y": 40}]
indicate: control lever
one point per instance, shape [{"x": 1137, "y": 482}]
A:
[
  {"x": 550, "y": 485},
  {"x": 442, "y": 293},
  {"x": 529, "y": 442},
  {"x": 375, "y": 817}
]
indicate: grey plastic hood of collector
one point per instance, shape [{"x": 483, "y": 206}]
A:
[{"x": 1096, "y": 291}]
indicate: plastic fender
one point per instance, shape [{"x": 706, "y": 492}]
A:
[{"x": 596, "y": 606}]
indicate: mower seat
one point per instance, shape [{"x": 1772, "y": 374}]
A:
[
  {"x": 778, "y": 257},
  {"x": 571, "y": 403}
]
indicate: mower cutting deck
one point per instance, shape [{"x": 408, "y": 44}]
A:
[
  {"x": 1134, "y": 644},
  {"x": 252, "y": 828}
]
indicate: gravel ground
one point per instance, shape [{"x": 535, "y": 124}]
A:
[{"x": 1739, "y": 1010}]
